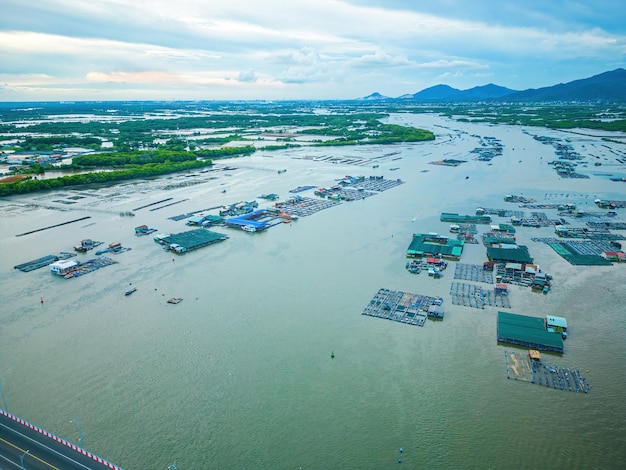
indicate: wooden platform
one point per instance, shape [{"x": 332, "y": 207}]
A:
[{"x": 520, "y": 367}]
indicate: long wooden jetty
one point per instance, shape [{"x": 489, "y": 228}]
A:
[{"x": 53, "y": 226}]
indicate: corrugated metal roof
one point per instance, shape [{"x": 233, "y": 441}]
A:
[{"x": 527, "y": 331}]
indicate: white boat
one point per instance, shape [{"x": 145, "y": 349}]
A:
[{"x": 249, "y": 228}]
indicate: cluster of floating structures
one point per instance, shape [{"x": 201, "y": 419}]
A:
[
  {"x": 43, "y": 261},
  {"x": 434, "y": 266},
  {"x": 70, "y": 268},
  {"x": 404, "y": 307},
  {"x": 114, "y": 248},
  {"x": 490, "y": 147},
  {"x": 87, "y": 245},
  {"x": 303, "y": 206},
  {"x": 435, "y": 246}
]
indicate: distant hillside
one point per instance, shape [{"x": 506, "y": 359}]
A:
[
  {"x": 486, "y": 92},
  {"x": 375, "y": 96},
  {"x": 437, "y": 93},
  {"x": 607, "y": 86}
]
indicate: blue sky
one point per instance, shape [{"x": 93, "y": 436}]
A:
[{"x": 294, "y": 49}]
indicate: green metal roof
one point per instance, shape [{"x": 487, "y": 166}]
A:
[
  {"x": 510, "y": 255},
  {"x": 527, "y": 331},
  {"x": 435, "y": 244},
  {"x": 465, "y": 219},
  {"x": 194, "y": 238}
]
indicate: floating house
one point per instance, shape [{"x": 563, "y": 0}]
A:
[
  {"x": 193, "y": 239},
  {"x": 434, "y": 245},
  {"x": 556, "y": 325},
  {"x": 465, "y": 219},
  {"x": 205, "y": 220},
  {"x": 509, "y": 254},
  {"x": 530, "y": 332},
  {"x": 259, "y": 220},
  {"x": 62, "y": 267},
  {"x": 436, "y": 311},
  {"x": 144, "y": 230}
]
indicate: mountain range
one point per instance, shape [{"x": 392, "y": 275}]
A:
[{"x": 607, "y": 86}]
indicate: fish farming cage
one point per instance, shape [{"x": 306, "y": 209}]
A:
[{"x": 194, "y": 239}]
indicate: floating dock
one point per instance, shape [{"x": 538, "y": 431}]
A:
[
  {"x": 260, "y": 220},
  {"x": 520, "y": 366},
  {"x": 431, "y": 244},
  {"x": 403, "y": 307}
]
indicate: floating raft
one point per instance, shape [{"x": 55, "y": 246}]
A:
[
  {"x": 580, "y": 252},
  {"x": 303, "y": 206},
  {"x": 43, "y": 261},
  {"x": 194, "y": 239},
  {"x": 402, "y": 307},
  {"x": 473, "y": 272},
  {"x": 378, "y": 184},
  {"x": 299, "y": 189},
  {"x": 471, "y": 295},
  {"x": 520, "y": 367},
  {"x": 89, "y": 266}
]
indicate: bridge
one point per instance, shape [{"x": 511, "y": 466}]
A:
[{"x": 26, "y": 446}]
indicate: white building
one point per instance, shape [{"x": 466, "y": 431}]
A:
[{"x": 62, "y": 267}]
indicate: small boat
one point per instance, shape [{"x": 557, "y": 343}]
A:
[
  {"x": 175, "y": 300},
  {"x": 249, "y": 228},
  {"x": 130, "y": 291}
]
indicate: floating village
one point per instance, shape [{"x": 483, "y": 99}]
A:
[{"x": 582, "y": 238}]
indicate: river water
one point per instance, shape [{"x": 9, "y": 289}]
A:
[{"x": 239, "y": 375}]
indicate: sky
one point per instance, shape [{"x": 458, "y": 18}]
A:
[{"x": 75, "y": 50}]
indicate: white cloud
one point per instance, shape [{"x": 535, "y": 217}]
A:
[
  {"x": 247, "y": 76},
  {"x": 331, "y": 48}
]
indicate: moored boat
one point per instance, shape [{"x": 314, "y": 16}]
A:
[
  {"x": 130, "y": 291},
  {"x": 175, "y": 300}
]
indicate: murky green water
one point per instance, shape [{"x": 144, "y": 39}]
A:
[{"x": 239, "y": 374}]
